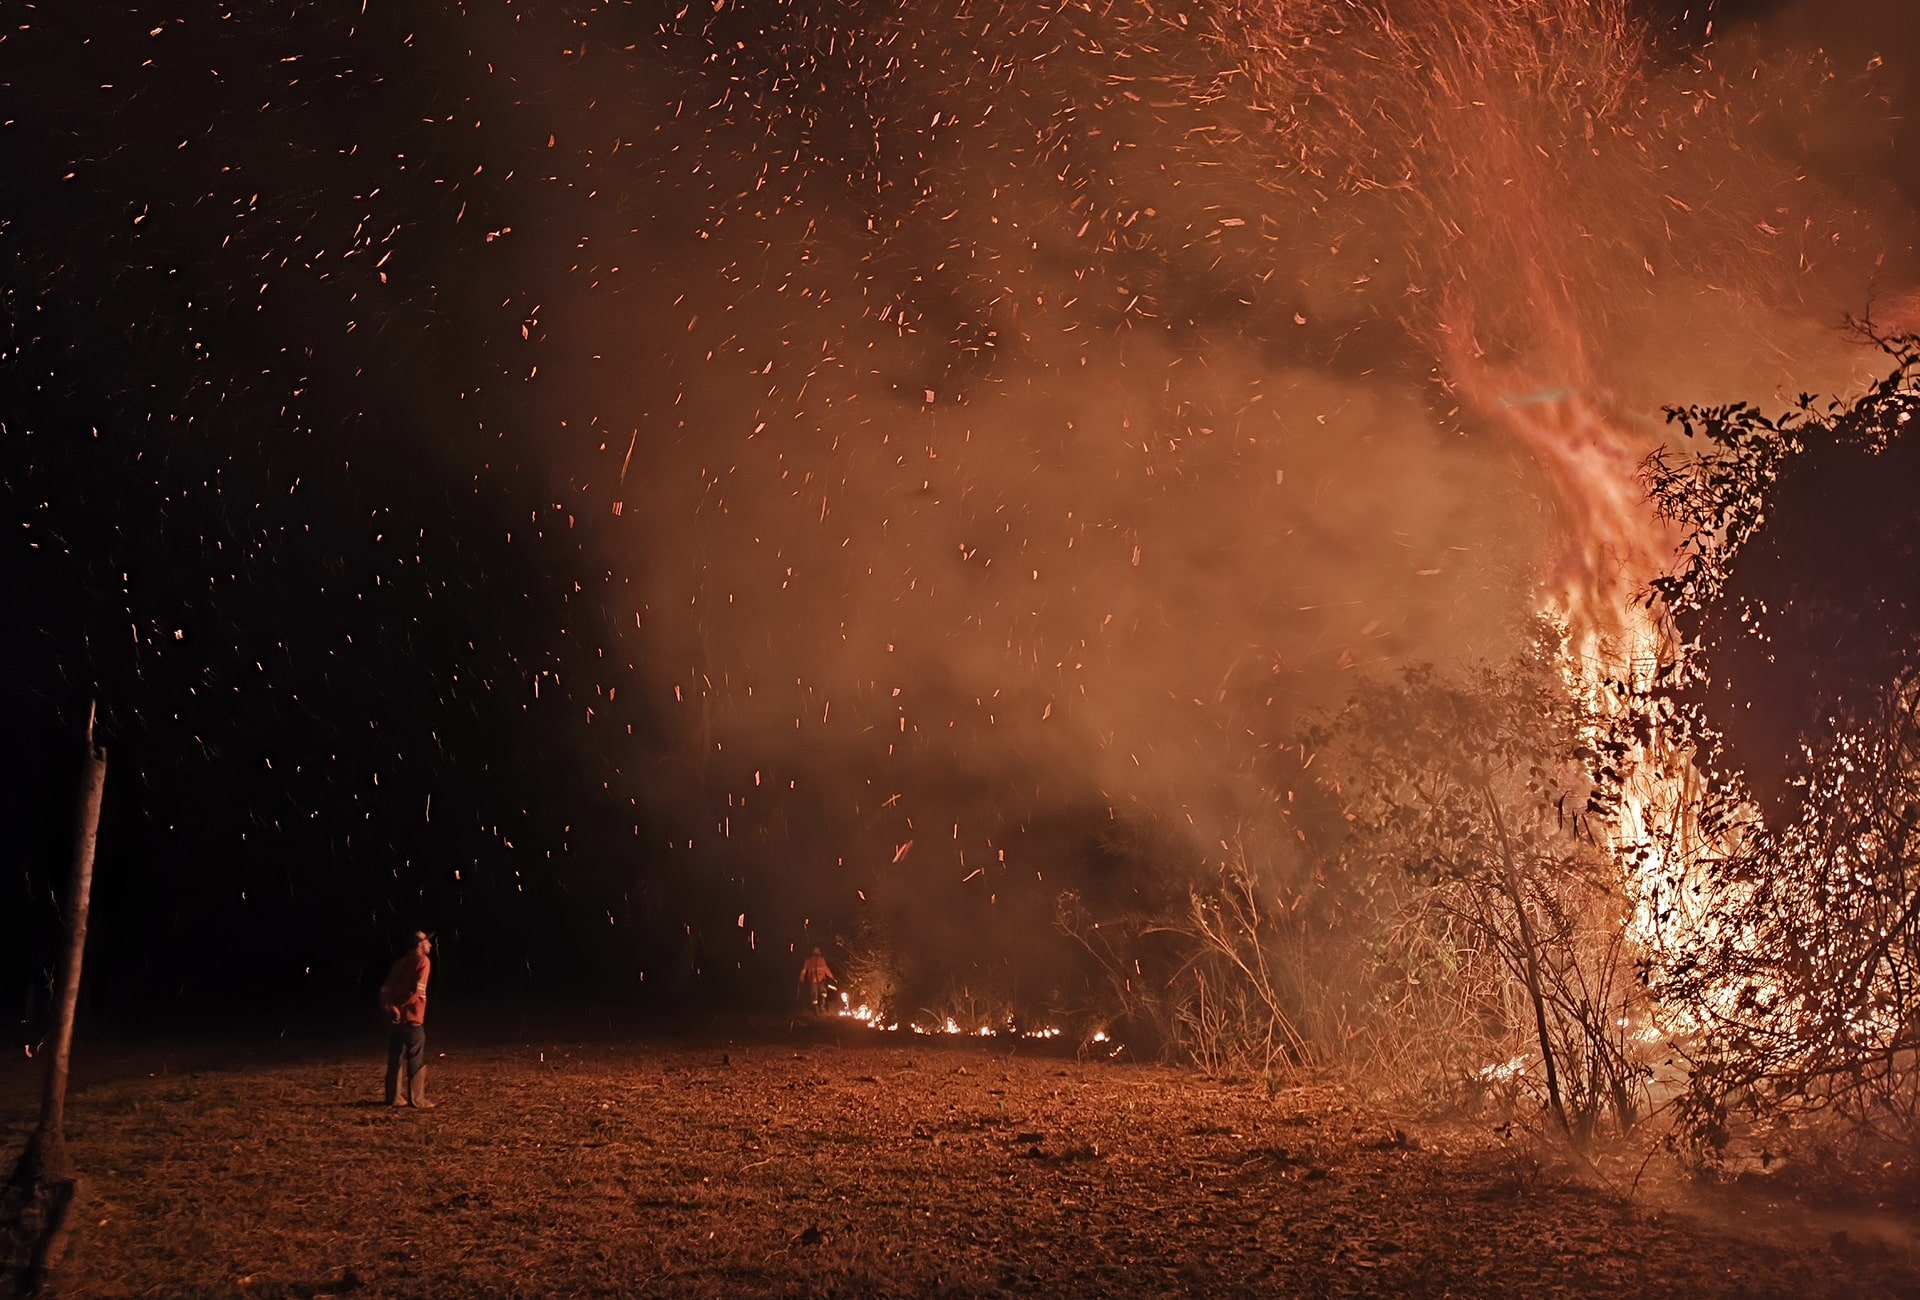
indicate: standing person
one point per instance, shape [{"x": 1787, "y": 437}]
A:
[
  {"x": 813, "y": 979},
  {"x": 404, "y": 996}
]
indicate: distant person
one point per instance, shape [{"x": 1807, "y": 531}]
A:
[
  {"x": 404, "y": 996},
  {"x": 814, "y": 975}
]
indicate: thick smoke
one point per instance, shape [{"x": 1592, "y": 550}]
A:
[
  {"x": 1050, "y": 409},
  {"x": 1029, "y": 488},
  {"x": 1023, "y": 420}
]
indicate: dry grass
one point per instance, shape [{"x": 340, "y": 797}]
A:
[{"x": 817, "y": 1163}]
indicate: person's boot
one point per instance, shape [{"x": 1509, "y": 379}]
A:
[{"x": 417, "y": 1089}]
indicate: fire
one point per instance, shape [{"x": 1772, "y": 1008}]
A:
[
  {"x": 1503, "y": 206},
  {"x": 1615, "y": 547},
  {"x": 1519, "y": 153},
  {"x": 865, "y": 1014}
]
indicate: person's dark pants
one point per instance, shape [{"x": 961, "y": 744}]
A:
[{"x": 407, "y": 1045}]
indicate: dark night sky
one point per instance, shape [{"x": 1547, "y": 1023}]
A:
[{"x": 564, "y": 473}]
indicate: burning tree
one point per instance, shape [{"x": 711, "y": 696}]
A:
[{"x": 1786, "y": 905}]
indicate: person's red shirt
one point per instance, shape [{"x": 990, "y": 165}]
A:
[{"x": 405, "y": 991}]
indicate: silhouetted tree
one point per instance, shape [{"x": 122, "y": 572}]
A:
[{"x": 1788, "y": 904}]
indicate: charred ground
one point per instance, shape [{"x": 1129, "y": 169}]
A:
[{"x": 810, "y": 1161}]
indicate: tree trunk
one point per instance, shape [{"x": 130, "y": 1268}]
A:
[
  {"x": 1531, "y": 944},
  {"x": 1510, "y": 876},
  {"x": 46, "y": 1156}
]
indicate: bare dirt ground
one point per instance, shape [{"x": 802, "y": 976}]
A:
[{"x": 818, "y": 1161}]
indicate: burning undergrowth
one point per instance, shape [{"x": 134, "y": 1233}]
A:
[
  {"x": 1504, "y": 884},
  {"x": 1063, "y": 435}
]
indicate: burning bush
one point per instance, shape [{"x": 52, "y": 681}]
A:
[
  {"x": 1788, "y": 903},
  {"x": 1472, "y": 801},
  {"x": 1441, "y": 915}
]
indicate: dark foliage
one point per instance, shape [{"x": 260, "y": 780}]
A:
[
  {"x": 1789, "y": 953},
  {"x": 1797, "y": 595}
]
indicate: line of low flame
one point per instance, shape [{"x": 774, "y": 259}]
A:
[{"x": 872, "y": 1019}]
